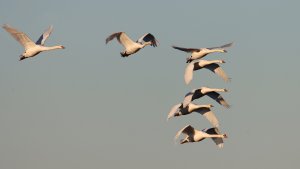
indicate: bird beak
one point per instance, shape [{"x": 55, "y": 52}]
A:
[
  {"x": 188, "y": 60},
  {"x": 21, "y": 57}
]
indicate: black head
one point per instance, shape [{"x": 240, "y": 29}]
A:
[{"x": 189, "y": 59}]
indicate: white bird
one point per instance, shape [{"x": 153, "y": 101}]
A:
[
  {"x": 210, "y": 65},
  {"x": 193, "y": 135},
  {"x": 211, "y": 92},
  {"x": 130, "y": 46},
  {"x": 31, "y": 48},
  {"x": 179, "y": 110},
  {"x": 200, "y": 53}
]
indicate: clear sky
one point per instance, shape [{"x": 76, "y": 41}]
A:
[{"x": 86, "y": 107}]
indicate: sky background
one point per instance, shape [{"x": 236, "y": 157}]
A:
[{"x": 86, "y": 107}]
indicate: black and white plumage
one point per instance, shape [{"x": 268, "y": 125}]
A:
[
  {"x": 210, "y": 65},
  {"x": 130, "y": 46},
  {"x": 31, "y": 48},
  {"x": 198, "y": 53},
  {"x": 194, "y": 135},
  {"x": 211, "y": 92},
  {"x": 205, "y": 110}
]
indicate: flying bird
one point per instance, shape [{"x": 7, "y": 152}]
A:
[
  {"x": 210, "y": 65},
  {"x": 31, "y": 48},
  {"x": 200, "y": 53},
  {"x": 179, "y": 110},
  {"x": 130, "y": 46},
  {"x": 194, "y": 135},
  {"x": 211, "y": 92}
]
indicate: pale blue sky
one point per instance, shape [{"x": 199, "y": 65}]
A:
[{"x": 85, "y": 107}]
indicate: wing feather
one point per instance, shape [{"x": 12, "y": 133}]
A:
[
  {"x": 188, "y": 130},
  {"x": 21, "y": 37},
  {"x": 122, "y": 38},
  {"x": 192, "y": 95},
  {"x": 188, "y": 75},
  {"x": 148, "y": 37},
  {"x": 173, "y": 110},
  {"x": 218, "y": 141},
  {"x": 222, "y": 47},
  {"x": 189, "y": 50},
  {"x": 214, "y": 67},
  {"x": 209, "y": 115},
  {"x": 44, "y": 36},
  {"x": 218, "y": 98}
]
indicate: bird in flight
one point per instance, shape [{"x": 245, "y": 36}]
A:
[
  {"x": 130, "y": 46},
  {"x": 31, "y": 48},
  {"x": 198, "y": 53},
  {"x": 194, "y": 135}
]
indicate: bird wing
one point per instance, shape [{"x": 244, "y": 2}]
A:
[
  {"x": 21, "y": 37},
  {"x": 219, "y": 141},
  {"x": 148, "y": 37},
  {"x": 218, "y": 70},
  {"x": 192, "y": 95},
  {"x": 218, "y": 98},
  {"x": 188, "y": 130},
  {"x": 174, "y": 110},
  {"x": 188, "y": 98},
  {"x": 188, "y": 74},
  {"x": 44, "y": 36},
  {"x": 189, "y": 50},
  {"x": 209, "y": 115},
  {"x": 221, "y": 47},
  {"x": 122, "y": 39}
]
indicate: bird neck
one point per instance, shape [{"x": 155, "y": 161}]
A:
[
  {"x": 206, "y": 90},
  {"x": 146, "y": 43},
  {"x": 203, "y": 63},
  {"x": 192, "y": 107},
  {"x": 215, "y": 136},
  {"x": 216, "y": 50},
  {"x": 46, "y": 48}
]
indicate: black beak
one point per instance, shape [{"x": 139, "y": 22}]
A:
[
  {"x": 188, "y": 60},
  {"x": 22, "y": 58}
]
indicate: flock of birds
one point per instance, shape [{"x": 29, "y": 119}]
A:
[
  {"x": 187, "y": 107},
  {"x": 195, "y": 62}
]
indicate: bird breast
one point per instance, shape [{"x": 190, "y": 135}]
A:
[{"x": 133, "y": 49}]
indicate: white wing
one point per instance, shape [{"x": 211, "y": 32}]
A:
[
  {"x": 188, "y": 75},
  {"x": 44, "y": 36},
  {"x": 219, "y": 141},
  {"x": 209, "y": 115},
  {"x": 188, "y": 130},
  {"x": 222, "y": 47},
  {"x": 173, "y": 111},
  {"x": 218, "y": 98},
  {"x": 122, "y": 38},
  {"x": 188, "y": 98},
  {"x": 218, "y": 70},
  {"x": 192, "y": 95},
  {"x": 21, "y": 37}
]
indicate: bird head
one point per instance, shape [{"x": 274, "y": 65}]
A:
[
  {"x": 210, "y": 105},
  {"x": 189, "y": 59},
  {"x": 22, "y": 57}
]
